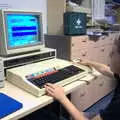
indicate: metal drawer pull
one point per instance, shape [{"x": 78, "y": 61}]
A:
[
  {"x": 73, "y": 45},
  {"x": 84, "y": 40},
  {"x": 95, "y": 77},
  {"x": 102, "y": 49},
  {"x": 82, "y": 94},
  {"x": 84, "y": 53},
  {"x": 101, "y": 84}
]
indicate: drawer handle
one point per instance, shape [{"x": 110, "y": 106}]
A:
[
  {"x": 95, "y": 77},
  {"x": 73, "y": 45},
  {"x": 82, "y": 94},
  {"x": 84, "y": 40},
  {"x": 102, "y": 49},
  {"x": 84, "y": 53},
  {"x": 101, "y": 84}
]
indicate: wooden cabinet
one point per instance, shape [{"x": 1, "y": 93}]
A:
[
  {"x": 66, "y": 46},
  {"x": 97, "y": 49},
  {"x": 71, "y": 47}
]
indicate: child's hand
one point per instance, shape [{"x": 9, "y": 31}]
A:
[
  {"x": 82, "y": 62},
  {"x": 55, "y": 91}
]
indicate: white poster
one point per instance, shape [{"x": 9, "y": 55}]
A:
[{"x": 36, "y": 5}]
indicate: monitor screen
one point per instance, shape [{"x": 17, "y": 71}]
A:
[{"x": 22, "y": 30}]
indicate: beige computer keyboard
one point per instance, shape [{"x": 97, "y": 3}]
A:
[{"x": 29, "y": 77}]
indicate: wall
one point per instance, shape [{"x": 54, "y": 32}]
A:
[{"x": 38, "y": 5}]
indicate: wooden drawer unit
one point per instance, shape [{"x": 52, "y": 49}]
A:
[{"x": 71, "y": 47}]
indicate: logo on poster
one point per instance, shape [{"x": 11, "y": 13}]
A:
[{"x": 78, "y": 24}]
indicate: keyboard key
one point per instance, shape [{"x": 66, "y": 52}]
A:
[{"x": 56, "y": 76}]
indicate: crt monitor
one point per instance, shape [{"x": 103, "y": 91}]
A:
[{"x": 20, "y": 32}]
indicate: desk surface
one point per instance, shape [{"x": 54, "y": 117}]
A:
[{"x": 32, "y": 103}]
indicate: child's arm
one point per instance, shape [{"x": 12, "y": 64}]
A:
[
  {"x": 58, "y": 93},
  {"x": 102, "y": 68}
]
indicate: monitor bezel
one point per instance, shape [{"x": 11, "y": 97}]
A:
[
  {"x": 25, "y": 48},
  {"x": 24, "y": 13}
]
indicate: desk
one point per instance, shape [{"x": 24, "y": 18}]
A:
[{"x": 32, "y": 103}]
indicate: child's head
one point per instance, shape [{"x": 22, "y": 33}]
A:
[{"x": 115, "y": 54}]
